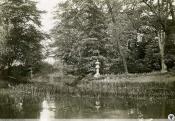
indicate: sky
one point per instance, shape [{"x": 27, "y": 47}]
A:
[{"x": 47, "y": 20}]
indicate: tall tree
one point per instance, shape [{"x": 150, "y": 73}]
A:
[
  {"x": 22, "y": 47},
  {"x": 161, "y": 10},
  {"x": 155, "y": 15},
  {"x": 21, "y": 21},
  {"x": 116, "y": 35},
  {"x": 82, "y": 35}
]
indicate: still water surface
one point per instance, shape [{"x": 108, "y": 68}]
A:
[{"x": 45, "y": 108}]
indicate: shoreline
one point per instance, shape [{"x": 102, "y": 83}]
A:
[{"x": 129, "y": 86}]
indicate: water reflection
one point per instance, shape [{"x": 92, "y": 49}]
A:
[
  {"x": 97, "y": 105},
  {"x": 19, "y": 106},
  {"x": 65, "y": 107},
  {"x": 48, "y": 110}
]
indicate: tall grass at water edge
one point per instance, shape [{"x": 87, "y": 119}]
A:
[{"x": 129, "y": 86}]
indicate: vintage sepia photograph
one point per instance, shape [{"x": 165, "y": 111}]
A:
[{"x": 87, "y": 60}]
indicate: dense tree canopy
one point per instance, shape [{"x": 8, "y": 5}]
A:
[
  {"x": 126, "y": 36},
  {"x": 82, "y": 35},
  {"x": 21, "y": 40}
]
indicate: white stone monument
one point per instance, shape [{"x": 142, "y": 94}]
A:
[{"x": 97, "y": 74}]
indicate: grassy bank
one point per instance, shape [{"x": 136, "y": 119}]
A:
[
  {"x": 152, "y": 85},
  {"x": 145, "y": 85}
]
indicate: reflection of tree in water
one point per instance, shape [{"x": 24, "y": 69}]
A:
[
  {"x": 152, "y": 108},
  {"x": 32, "y": 106},
  {"x": 11, "y": 104},
  {"x": 72, "y": 107},
  {"x": 18, "y": 106},
  {"x": 69, "y": 107}
]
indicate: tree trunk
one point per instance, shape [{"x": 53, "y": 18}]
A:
[
  {"x": 120, "y": 52},
  {"x": 115, "y": 35},
  {"x": 124, "y": 61},
  {"x": 161, "y": 36}
]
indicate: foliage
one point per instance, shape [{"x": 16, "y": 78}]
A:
[
  {"x": 85, "y": 34},
  {"x": 21, "y": 22},
  {"x": 82, "y": 37},
  {"x": 149, "y": 18}
]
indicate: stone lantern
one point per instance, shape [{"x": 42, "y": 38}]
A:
[{"x": 97, "y": 74}]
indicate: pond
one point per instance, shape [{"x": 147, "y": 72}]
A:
[{"x": 49, "y": 107}]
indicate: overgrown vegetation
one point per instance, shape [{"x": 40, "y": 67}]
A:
[
  {"x": 132, "y": 36},
  {"x": 128, "y": 36},
  {"x": 131, "y": 86},
  {"x": 20, "y": 40}
]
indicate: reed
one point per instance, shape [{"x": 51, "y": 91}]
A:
[
  {"x": 124, "y": 86},
  {"x": 131, "y": 90}
]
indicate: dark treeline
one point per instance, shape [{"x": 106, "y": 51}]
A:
[
  {"x": 127, "y": 36},
  {"x": 20, "y": 38}
]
